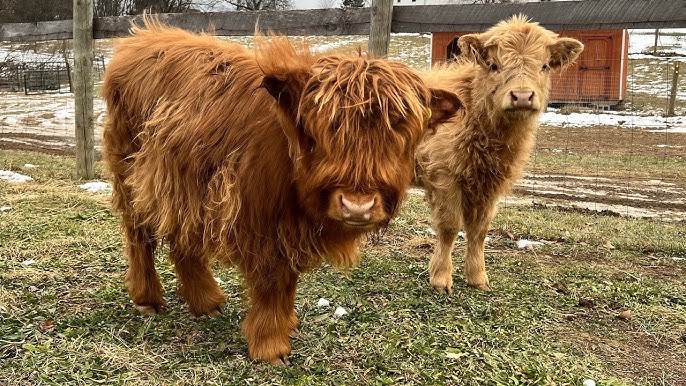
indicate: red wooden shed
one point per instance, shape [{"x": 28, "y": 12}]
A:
[{"x": 598, "y": 78}]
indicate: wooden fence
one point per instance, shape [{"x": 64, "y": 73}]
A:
[{"x": 378, "y": 21}]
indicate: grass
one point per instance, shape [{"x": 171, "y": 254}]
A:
[{"x": 551, "y": 318}]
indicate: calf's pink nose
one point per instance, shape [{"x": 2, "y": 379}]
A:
[
  {"x": 522, "y": 98},
  {"x": 357, "y": 209}
]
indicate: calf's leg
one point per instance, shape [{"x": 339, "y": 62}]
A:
[
  {"x": 445, "y": 221},
  {"x": 271, "y": 317},
  {"x": 143, "y": 283},
  {"x": 197, "y": 284},
  {"x": 477, "y": 218}
]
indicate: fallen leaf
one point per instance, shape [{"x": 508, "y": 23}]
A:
[
  {"x": 626, "y": 314},
  {"x": 609, "y": 245},
  {"x": 47, "y": 325}
]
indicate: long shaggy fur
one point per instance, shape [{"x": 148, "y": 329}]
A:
[
  {"x": 476, "y": 157},
  {"x": 244, "y": 156}
]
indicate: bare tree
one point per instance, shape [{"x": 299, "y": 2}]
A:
[
  {"x": 353, "y": 3},
  {"x": 29, "y": 11},
  {"x": 256, "y": 5},
  {"x": 327, "y": 3},
  {"x": 161, "y": 6}
]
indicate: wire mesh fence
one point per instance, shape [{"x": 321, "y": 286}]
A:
[{"x": 605, "y": 144}]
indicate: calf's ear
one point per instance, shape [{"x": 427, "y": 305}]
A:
[
  {"x": 564, "y": 52},
  {"x": 286, "y": 88},
  {"x": 444, "y": 105},
  {"x": 472, "y": 47}
]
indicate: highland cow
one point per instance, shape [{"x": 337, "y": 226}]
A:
[
  {"x": 503, "y": 78},
  {"x": 270, "y": 160}
]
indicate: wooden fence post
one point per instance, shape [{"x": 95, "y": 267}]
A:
[
  {"x": 672, "y": 95},
  {"x": 380, "y": 27},
  {"x": 83, "y": 88}
]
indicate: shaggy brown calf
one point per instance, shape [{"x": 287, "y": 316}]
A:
[
  {"x": 206, "y": 160},
  {"x": 503, "y": 78}
]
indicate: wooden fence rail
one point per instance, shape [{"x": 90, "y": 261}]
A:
[{"x": 589, "y": 14}]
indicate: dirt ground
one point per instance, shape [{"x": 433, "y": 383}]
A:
[{"x": 625, "y": 170}]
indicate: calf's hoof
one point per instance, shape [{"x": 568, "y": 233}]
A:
[
  {"x": 442, "y": 285},
  {"x": 283, "y": 361},
  {"x": 151, "y": 309},
  {"x": 481, "y": 287},
  {"x": 296, "y": 334},
  {"x": 209, "y": 304},
  {"x": 273, "y": 350}
]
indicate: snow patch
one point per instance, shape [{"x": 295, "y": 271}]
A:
[
  {"x": 96, "y": 186},
  {"x": 12, "y": 177},
  {"x": 523, "y": 243}
]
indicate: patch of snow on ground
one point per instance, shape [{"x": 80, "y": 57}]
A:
[
  {"x": 95, "y": 186},
  {"x": 523, "y": 243},
  {"x": 11, "y": 176},
  {"x": 642, "y": 40},
  {"x": 552, "y": 117}
]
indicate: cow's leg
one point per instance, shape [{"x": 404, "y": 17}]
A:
[
  {"x": 271, "y": 317},
  {"x": 446, "y": 223},
  {"x": 143, "y": 283},
  {"x": 197, "y": 285},
  {"x": 477, "y": 219}
]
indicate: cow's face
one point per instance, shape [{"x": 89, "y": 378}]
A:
[
  {"x": 515, "y": 59},
  {"x": 353, "y": 125}
]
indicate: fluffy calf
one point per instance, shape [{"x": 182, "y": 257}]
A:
[
  {"x": 271, "y": 160},
  {"x": 503, "y": 78}
]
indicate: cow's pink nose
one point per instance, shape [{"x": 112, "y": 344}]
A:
[
  {"x": 357, "y": 209},
  {"x": 522, "y": 98}
]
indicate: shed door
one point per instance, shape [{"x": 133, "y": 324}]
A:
[{"x": 594, "y": 68}]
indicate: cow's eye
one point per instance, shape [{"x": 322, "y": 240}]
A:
[
  {"x": 546, "y": 67},
  {"x": 494, "y": 67}
]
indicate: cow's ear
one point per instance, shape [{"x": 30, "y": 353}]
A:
[
  {"x": 472, "y": 48},
  {"x": 444, "y": 105},
  {"x": 564, "y": 52},
  {"x": 285, "y": 90}
]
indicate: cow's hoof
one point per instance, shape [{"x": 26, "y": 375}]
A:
[
  {"x": 210, "y": 306},
  {"x": 214, "y": 313},
  {"x": 443, "y": 289},
  {"x": 481, "y": 287},
  {"x": 283, "y": 361},
  {"x": 443, "y": 285},
  {"x": 150, "y": 309},
  {"x": 296, "y": 334}
]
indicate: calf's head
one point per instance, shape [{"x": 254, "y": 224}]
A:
[
  {"x": 353, "y": 124},
  {"x": 515, "y": 59}
]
